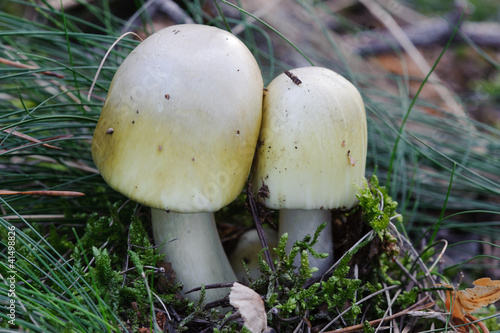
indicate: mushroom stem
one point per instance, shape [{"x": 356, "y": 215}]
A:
[
  {"x": 192, "y": 245},
  {"x": 298, "y": 223}
]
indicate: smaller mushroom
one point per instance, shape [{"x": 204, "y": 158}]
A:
[
  {"x": 312, "y": 153},
  {"x": 246, "y": 250}
]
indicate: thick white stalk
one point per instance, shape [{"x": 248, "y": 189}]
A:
[
  {"x": 298, "y": 223},
  {"x": 192, "y": 245}
]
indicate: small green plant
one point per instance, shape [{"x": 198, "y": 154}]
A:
[
  {"x": 289, "y": 293},
  {"x": 377, "y": 206},
  {"x": 128, "y": 291},
  {"x": 293, "y": 293},
  {"x": 93, "y": 284}
]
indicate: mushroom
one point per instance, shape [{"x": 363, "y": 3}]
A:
[
  {"x": 246, "y": 251},
  {"x": 177, "y": 133},
  {"x": 311, "y": 153}
]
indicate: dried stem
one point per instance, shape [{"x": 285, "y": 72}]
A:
[
  {"x": 416, "y": 307},
  {"x": 258, "y": 225}
]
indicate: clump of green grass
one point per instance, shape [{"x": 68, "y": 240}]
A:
[{"x": 50, "y": 294}]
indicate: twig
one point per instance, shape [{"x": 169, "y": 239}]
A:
[
  {"x": 299, "y": 326},
  {"x": 30, "y": 138},
  {"x": 413, "y": 253},
  {"x": 163, "y": 304},
  {"x": 104, "y": 59},
  {"x": 370, "y": 235},
  {"x": 211, "y": 286},
  {"x": 29, "y": 145},
  {"x": 357, "y": 303},
  {"x": 443, "y": 250},
  {"x": 390, "y": 302},
  {"x": 34, "y": 217},
  {"x": 44, "y": 193},
  {"x": 405, "y": 270},
  {"x": 258, "y": 225},
  {"x": 155, "y": 269},
  {"x": 20, "y": 65},
  {"x": 236, "y": 316},
  {"x": 376, "y": 322}
]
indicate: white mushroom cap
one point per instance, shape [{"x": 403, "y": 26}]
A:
[
  {"x": 246, "y": 250},
  {"x": 313, "y": 141},
  {"x": 179, "y": 126}
]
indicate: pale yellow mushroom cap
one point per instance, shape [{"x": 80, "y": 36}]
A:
[
  {"x": 313, "y": 141},
  {"x": 180, "y": 124}
]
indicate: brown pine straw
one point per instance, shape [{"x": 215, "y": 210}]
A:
[
  {"x": 34, "y": 217},
  {"x": 415, "y": 307},
  {"x": 34, "y": 140},
  {"x": 44, "y": 193},
  {"x": 20, "y": 65}
]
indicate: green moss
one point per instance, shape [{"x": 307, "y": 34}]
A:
[{"x": 378, "y": 207}]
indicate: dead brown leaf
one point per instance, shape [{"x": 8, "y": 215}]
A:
[
  {"x": 485, "y": 292},
  {"x": 462, "y": 303},
  {"x": 250, "y": 306}
]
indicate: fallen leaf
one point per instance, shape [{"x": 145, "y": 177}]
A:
[
  {"x": 251, "y": 307},
  {"x": 452, "y": 305},
  {"x": 462, "y": 303},
  {"x": 485, "y": 292}
]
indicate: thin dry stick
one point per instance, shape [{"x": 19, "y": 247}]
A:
[
  {"x": 410, "y": 276},
  {"x": 34, "y": 217},
  {"x": 163, "y": 304},
  {"x": 386, "y": 18},
  {"x": 76, "y": 165},
  {"x": 104, "y": 59},
  {"x": 211, "y": 286},
  {"x": 413, "y": 253},
  {"x": 29, "y": 138},
  {"x": 443, "y": 250},
  {"x": 20, "y": 65},
  {"x": 370, "y": 234},
  {"x": 44, "y": 193},
  {"x": 258, "y": 225},
  {"x": 299, "y": 326},
  {"x": 376, "y": 322},
  {"x": 357, "y": 303},
  {"x": 390, "y": 302}
]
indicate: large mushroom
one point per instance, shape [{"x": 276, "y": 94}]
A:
[
  {"x": 311, "y": 152},
  {"x": 177, "y": 133}
]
